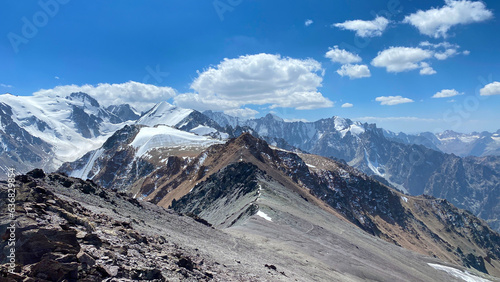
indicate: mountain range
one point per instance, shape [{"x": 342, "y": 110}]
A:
[
  {"x": 306, "y": 177},
  {"x": 256, "y": 214}
]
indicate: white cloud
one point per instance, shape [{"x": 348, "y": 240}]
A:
[
  {"x": 295, "y": 120},
  {"x": 444, "y": 44},
  {"x": 448, "y": 49},
  {"x": 371, "y": 119},
  {"x": 257, "y": 80},
  {"x": 426, "y": 69},
  {"x": 308, "y": 22},
  {"x": 466, "y": 52},
  {"x": 436, "y": 22},
  {"x": 392, "y": 100},
  {"x": 347, "y": 105},
  {"x": 141, "y": 96},
  {"x": 245, "y": 113},
  {"x": 399, "y": 59},
  {"x": 342, "y": 56},
  {"x": 365, "y": 28},
  {"x": 6, "y": 85},
  {"x": 446, "y": 93},
  {"x": 354, "y": 71},
  {"x": 56, "y": 77},
  {"x": 446, "y": 54},
  {"x": 490, "y": 89}
]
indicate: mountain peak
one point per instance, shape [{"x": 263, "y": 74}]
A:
[
  {"x": 81, "y": 96},
  {"x": 273, "y": 117},
  {"x": 247, "y": 139}
]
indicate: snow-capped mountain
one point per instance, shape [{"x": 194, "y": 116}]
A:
[
  {"x": 479, "y": 144},
  {"x": 64, "y": 128},
  {"x": 223, "y": 119},
  {"x": 183, "y": 119},
  {"x": 134, "y": 151},
  {"x": 19, "y": 149}
]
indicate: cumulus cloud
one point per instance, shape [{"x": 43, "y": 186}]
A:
[
  {"x": 342, "y": 56},
  {"x": 354, "y": 71},
  {"x": 444, "y": 44},
  {"x": 446, "y": 93},
  {"x": 372, "y": 119},
  {"x": 444, "y": 55},
  {"x": 392, "y": 100},
  {"x": 141, "y": 96},
  {"x": 399, "y": 59},
  {"x": 245, "y": 113},
  {"x": 347, "y": 105},
  {"x": 490, "y": 89},
  {"x": 295, "y": 120},
  {"x": 308, "y": 22},
  {"x": 443, "y": 50},
  {"x": 426, "y": 69},
  {"x": 365, "y": 28},
  {"x": 436, "y": 22},
  {"x": 257, "y": 79}
]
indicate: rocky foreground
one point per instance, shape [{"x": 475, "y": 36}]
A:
[
  {"x": 87, "y": 234},
  {"x": 68, "y": 229}
]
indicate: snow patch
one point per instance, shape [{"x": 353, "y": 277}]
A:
[
  {"x": 203, "y": 130},
  {"x": 404, "y": 199},
  {"x": 264, "y": 216},
  {"x": 372, "y": 166},
  {"x": 464, "y": 275},
  {"x": 84, "y": 172}
]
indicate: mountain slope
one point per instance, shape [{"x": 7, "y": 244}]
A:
[
  {"x": 335, "y": 188},
  {"x": 246, "y": 171}
]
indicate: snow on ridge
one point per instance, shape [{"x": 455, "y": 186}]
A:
[
  {"x": 165, "y": 136},
  {"x": 164, "y": 113}
]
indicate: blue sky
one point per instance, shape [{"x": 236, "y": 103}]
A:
[{"x": 275, "y": 61}]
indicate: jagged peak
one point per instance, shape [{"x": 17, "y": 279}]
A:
[
  {"x": 247, "y": 138},
  {"x": 83, "y": 97},
  {"x": 270, "y": 116}
]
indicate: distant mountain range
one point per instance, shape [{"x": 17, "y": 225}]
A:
[{"x": 473, "y": 144}]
